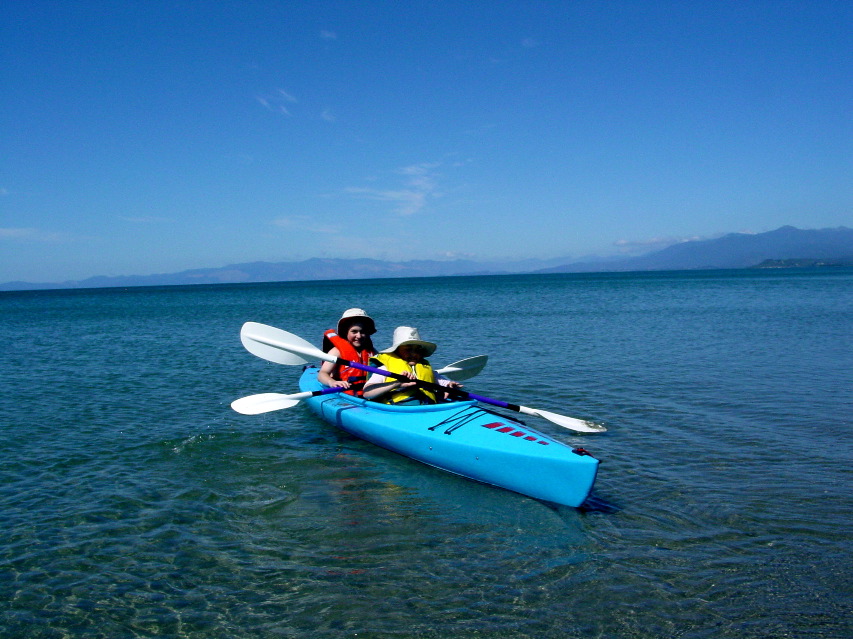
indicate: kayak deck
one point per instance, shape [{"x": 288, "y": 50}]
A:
[{"x": 463, "y": 438}]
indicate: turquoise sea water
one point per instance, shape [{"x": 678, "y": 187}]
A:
[{"x": 135, "y": 503}]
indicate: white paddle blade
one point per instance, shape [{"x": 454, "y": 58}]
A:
[
  {"x": 281, "y": 347},
  {"x": 464, "y": 368},
  {"x": 577, "y": 425},
  {"x": 263, "y": 403}
]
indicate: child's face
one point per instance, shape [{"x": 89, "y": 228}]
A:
[
  {"x": 356, "y": 335},
  {"x": 411, "y": 352}
]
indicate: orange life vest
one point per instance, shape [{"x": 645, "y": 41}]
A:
[{"x": 347, "y": 351}]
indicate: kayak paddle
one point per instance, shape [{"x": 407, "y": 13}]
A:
[
  {"x": 464, "y": 368},
  {"x": 279, "y": 346},
  {"x": 268, "y": 402}
]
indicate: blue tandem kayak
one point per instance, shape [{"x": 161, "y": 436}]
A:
[{"x": 465, "y": 439}]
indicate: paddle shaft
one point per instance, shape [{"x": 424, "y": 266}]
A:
[
  {"x": 325, "y": 391},
  {"x": 310, "y": 351},
  {"x": 267, "y": 402},
  {"x": 436, "y": 387}
]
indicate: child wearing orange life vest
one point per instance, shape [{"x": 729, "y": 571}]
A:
[
  {"x": 351, "y": 341},
  {"x": 407, "y": 356}
]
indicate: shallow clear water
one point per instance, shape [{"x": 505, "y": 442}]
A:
[{"x": 136, "y": 503}]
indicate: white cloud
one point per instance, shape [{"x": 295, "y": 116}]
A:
[
  {"x": 29, "y": 234},
  {"x": 408, "y": 202},
  {"x": 328, "y": 35},
  {"x": 17, "y": 232},
  {"x": 143, "y": 219},
  {"x": 305, "y": 223},
  {"x": 412, "y": 196},
  {"x": 281, "y": 101},
  {"x": 277, "y": 102},
  {"x": 457, "y": 255}
]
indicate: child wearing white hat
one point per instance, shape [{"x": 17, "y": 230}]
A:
[
  {"x": 351, "y": 341},
  {"x": 406, "y": 356}
]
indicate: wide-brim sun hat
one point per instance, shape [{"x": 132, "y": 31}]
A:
[
  {"x": 355, "y": 316},
  {"x": 409, "y": 335}
]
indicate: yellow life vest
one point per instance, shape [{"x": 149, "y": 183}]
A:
[{"x": 395, "y": 364}]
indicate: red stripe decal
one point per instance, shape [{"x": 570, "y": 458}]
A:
[{"x": 512, "y": 432}]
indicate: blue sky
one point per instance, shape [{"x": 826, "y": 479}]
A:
[{"x": 152, "y": 137}]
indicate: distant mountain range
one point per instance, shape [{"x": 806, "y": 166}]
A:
[
  {"x": 735, "y": 250},
  {"x": 312, "y": 269},
  {"x": 784, "y": 247}
]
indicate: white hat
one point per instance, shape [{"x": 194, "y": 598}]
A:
[
  {"x": 349, "y": 318},
  {"x": 409, "y": 335}
]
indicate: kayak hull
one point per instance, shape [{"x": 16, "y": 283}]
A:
[{"x": 465, "y": 439}]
